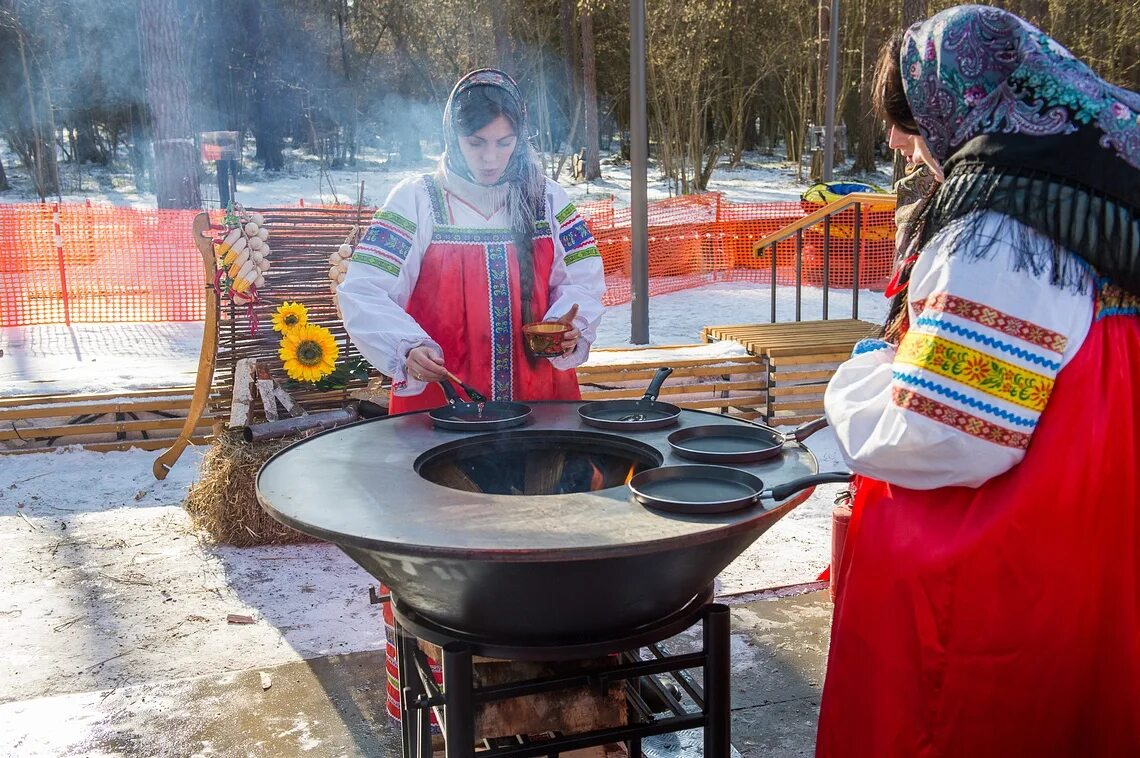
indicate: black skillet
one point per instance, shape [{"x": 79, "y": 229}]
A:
[
  {"x": 701, "y": 489},
  {"x": 633, "y": 415},
  {"x": 462, "y": 416},
  {"x": 725, "y": 443}
]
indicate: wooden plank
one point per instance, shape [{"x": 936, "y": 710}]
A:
[
  {"x": 800, "y": 406},
  {"x": 792, "y": 377},
  {"x": 50, "y": 399},
  {"x": 650, "y": 367},
  {"x": 794, "y": 356},
  {"x": 681, "y": 389},
  {"x": 741, "y": 401},
  {"x": 629, "y": 376},
  {"x": 799, "y": 389},
  {"x": 57, "y": 411},
  {"x": 107, "y": 447},
  {"x": 110, "y": 427}
]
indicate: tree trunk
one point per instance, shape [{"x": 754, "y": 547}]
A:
[
  {"x": 3, "y": 179},
  {"x": 504, "y": 55},
  {"x": 34, "y": 137},
  {"x": 590, "y": 94},
  {"x": 571, "y": 102},
  {"x": 912, "y": 11},
  {"x": 176, "y": 159},
  {"x": 866, "y": 124}
]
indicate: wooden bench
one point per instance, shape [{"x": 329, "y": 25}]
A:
[
  {"x": 799, "y": 359},
  {"x": 732, "y": 384},
  {"x": 149, "y": 419}
]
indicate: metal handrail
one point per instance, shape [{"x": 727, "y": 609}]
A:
[{"x": 813, "y": 218}]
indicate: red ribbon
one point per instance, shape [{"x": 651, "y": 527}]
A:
[{"x": 893, "y": 286}]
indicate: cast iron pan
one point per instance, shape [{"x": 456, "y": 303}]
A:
[
  {"x": 721, "y": 443},
  {"x": 701, "y": 489},
  {"x": 633, "y": 415},
  {"x": 461, "y": 416}
]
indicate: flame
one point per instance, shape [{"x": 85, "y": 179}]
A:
[
  {"x": 597, "y": 478},
  {"x": 629, "y": 476}
]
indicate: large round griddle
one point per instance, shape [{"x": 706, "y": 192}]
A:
[{"x": 538, "y": 568}]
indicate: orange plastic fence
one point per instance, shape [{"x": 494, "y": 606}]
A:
[{"x": 104, "y": 263}]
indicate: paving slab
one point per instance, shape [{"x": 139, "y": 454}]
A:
[{"x": 334, "y": 706}]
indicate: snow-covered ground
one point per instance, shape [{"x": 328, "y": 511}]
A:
[{"x": 109, "y": 584}]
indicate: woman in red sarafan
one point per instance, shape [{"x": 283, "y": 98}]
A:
[
  {"x": 456, "y": 261},
  {"x": 989, "y": 591}
]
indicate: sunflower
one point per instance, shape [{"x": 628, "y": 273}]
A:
[
  {"x": 289, "y": 316},
  {"x": 309, "y": 352}
]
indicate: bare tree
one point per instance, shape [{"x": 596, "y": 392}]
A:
[
  {"x": 590, "y": 96},
  {"x": 176, "y": 159}
]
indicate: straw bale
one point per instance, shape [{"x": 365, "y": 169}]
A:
[{"x": 224, "y": 503}]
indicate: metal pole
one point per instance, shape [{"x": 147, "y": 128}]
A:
[
  {"x": 829, "y": 106},
  {"x": 718, "y": 675},
  {"x": 638, "y": 186},
  {"x": 459, "y": 708}
]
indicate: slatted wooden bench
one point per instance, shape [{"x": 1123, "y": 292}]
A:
[
  {"x": 148, "y": 419},
  {"x": 731, "y": 384},
  {"x": 799, "y": 359}
]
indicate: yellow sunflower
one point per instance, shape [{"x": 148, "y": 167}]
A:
[
  {"x": 309, "y": 352},
  {"x": 289, "y": 316}
]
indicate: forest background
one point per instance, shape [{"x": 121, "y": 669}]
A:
[{"x": 137, "y": 81}]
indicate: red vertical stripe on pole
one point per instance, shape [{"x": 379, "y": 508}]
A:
[{"x": 57, "y": 230}]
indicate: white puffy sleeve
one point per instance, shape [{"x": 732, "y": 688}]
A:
[
  {"x": 381, "y": 278},
  {"x": 957, "y": 402},
  {"x": 577, "y": 275}
]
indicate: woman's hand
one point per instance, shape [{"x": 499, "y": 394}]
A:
[
  {"x": 425, "y": 365},
  {"x": 570, "y": 339}
]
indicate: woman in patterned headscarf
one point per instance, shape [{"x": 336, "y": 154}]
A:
[
  {"x": 456, "y": 261},
  {"x": 989, "y": 600}
]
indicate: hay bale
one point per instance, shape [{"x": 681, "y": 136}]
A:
[{"x": 224, "y": 503}]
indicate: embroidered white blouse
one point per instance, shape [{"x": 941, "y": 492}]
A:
[
  {"x": 373, "y": 296},
  {"x": 957, "y": 402}
]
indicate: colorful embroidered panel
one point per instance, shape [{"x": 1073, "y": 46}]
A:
[
  {"x": 965, "y": 422},
  {"x": 577, "y": 241},
  {"x": 438, "y": 203},
  {"x": 1113, "y": 301},
  {"x": 983, "y": 371},
  {"x": 581, "y": 255},
  {"x": 386, "y": 243},
  {"x": 994, "y": 319},
  {"x": 498, "y": 277},
  {"x": 976, "y": 370}
]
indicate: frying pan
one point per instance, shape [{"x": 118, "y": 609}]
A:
[
  {"x": 633, "y": 415},
  {"x": 462, "y": 416},
  {"x": 701, "y": 489},
  {"x": 722, "y": 443}
]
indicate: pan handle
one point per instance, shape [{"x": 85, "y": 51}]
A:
[
  {"x": 655, "y": 386},
  {"x": 803, "y": 431},
  {"x": 787, "y": 489},
  {"x": 453, "y": 397}
]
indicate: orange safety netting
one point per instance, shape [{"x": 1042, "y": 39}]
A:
[
  {"x": 108, "y": 264},
  {"x": 114, "y": 264}
]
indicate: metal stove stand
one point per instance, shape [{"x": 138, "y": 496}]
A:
[{"x": 454, "y": 704}]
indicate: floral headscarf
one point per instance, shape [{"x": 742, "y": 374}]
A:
[{"x": 1024, "y": 128}]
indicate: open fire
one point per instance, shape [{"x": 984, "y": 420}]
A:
[{"x": 532, "y": 462}]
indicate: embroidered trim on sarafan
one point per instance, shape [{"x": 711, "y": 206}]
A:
[
  {"x": 944, "y": 302},
  {"x": 376, "y": 262},
  {"x": 1113, "y": 301},
  {"x": 975, "y": 369},
  {"x": 498, "y": 278},
  {"x": 438, "y": 204},
  {"x": 380, "y": 238},
  {"x": 472, "y": 235},
  {"x": 924, "y": 406},
  {"x": 581, "y": 255},
  {"x": 389, "y": 218}
]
